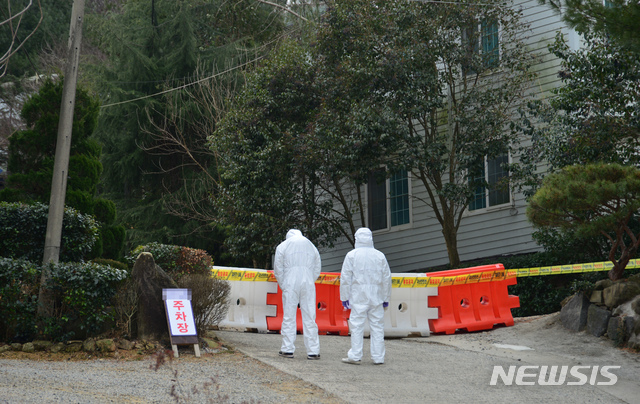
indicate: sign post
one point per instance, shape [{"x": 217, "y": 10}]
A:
[{"x": 182, "y": 325}]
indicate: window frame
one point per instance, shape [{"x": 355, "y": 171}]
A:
[
  {"x": 482, "y": 37},
  {"x": 388, "y": 202},
  {"x": 487, "y": 189}
]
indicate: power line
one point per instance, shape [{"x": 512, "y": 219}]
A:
[{"x": 183, "y": 86}]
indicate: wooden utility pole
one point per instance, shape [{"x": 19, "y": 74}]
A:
[{"x": 63, "y": 147}]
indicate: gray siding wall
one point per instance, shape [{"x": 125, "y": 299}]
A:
[{"x": 503, "y": 230}]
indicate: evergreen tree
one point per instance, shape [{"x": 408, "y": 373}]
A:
[
  {"x": 153, "y": 47},
  {"x": 53, "y": 28},
  {"x": 32, "y": 155}
]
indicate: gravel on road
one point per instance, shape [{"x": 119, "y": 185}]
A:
[{"x": 438, "y": 368}]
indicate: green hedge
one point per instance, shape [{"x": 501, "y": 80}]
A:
[
  {"x": 19, "y": 282},
  {"x": 23, "y": 229},
  {"x": 82, "y": 295}
]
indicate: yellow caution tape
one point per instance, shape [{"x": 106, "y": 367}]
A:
[
  {"x": 235, "y": 274},
  {"x": 572, "y": 269}
]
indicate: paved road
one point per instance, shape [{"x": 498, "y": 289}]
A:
[{"x": 456, "y": 368}]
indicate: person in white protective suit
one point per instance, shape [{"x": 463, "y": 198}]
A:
[
  {"x": 365, "y": 288},
  {"x": 296, "y": 267}
]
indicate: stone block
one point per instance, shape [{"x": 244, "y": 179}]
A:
[
  {"x": 635, "y": 305},
  {"x": 619, "y": 293},
  {"x": 125, "y": 344},
  {"x": 42, "y": 345},
  {"x": 597, "y": 320},
  {"x": 106, "y": 345},
  {"x": 634, "y": 340},
  {"x": 619, "y": 329},
  {"x": 573, "y": 315},
  {"x": 16, "y": 346},
  {"x": 150, "y": 279},
  {"x": 28, "y": 347},
  {"x": 89, "y": 345},
  {"x": 73, "y": 346},
  {"x": 57, "y": 347},
  {"x": 596, "y": 296},
  {"x": 603, "y": 284},
  {"x": 5, "y": 348}
]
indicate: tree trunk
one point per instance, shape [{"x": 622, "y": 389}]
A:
[
  {"x": 616, "y": 272},
  {"x": 451, "y": 239}
]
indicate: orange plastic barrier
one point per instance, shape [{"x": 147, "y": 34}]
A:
[
  {"x": 471, "y": 302},
  {"x": 331, "y": 318}
]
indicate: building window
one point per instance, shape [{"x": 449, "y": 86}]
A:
[
  {"x": 490, "y": 48},
  {"x": 481, "y": 39},
  {"x": 489, "y": 184},
  {"x": 377, "y": 198},
  {"x": 388, "y": 200}
]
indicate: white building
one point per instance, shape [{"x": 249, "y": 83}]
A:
[{"x": 411, "y": 237}]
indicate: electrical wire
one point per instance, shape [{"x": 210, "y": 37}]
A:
[{"x": 183, "y": 86}]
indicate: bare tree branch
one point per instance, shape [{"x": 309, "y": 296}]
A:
[
  {"x": 14, "y": 28},
  {"x": 288, "y": 10}
]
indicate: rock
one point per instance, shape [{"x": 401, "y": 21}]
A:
[
  {"x": 623, "y": 310},
  {"x": 619, "y": 329},
  {"x": 635, "y": 305},
  {"x": 42, "y": 345},
  {"x": 597, "y": 320},
  {"x": 596, "y": 296},
  {"x": 566, "y": 300},
  {"x": 150, "y": 279},
  {"x": 634, "y": 340},
  {"x": 28, "y": 347},
  {"x": 16, "y": 346},
  {"x": 89, "y": 345},
  {"x": 620, "y": 292},
  {"x": 5, "y": 348},
  {"x": 603, "y": 284},
  {"x": 57, "y": 347},
  {"x": 73, "y": 346},
  {"x": 573, "y": 315},
  {"x": 635, "y": 278},
  {"x": 106, "y": 345},
  {"x": 126, "y": 344}
]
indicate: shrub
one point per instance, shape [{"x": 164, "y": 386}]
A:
[
  {"x": 543, "y": 294},
  {"x": 164, "y": 255},
  {"x": 24, "y": 227},
  {"x": 19, "y": 281},
  {"x": 81, "y": 292},
  {"x": 112, "y": 240},
  {"x": 126, "y": 308},
  {"x": 209, "y": 298},
  {"x": 175, "y": 260},
  {"x": 112, "y": 263},
  {"x": 193, "y": 261}
]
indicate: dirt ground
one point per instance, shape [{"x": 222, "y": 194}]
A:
[{"x": 539, "y": 340}]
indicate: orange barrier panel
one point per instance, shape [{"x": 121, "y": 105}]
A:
[
  {"x": 466, "y": 301},
  {"x": 331, "y": 318}
]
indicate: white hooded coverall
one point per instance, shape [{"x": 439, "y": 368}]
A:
[
  {"x": 296, "y": 267},
  {"x": 365, "y": 281}
]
